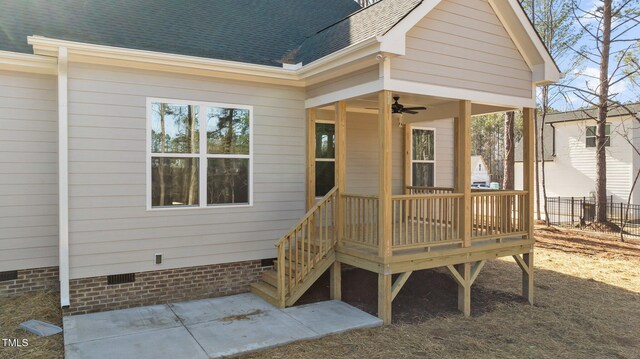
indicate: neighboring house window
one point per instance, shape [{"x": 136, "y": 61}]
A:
[
  {"x": 325, "y": 158},
  {"x": 199, "y": 155},
  {"x": 423, "y": 157},
  {"x": 592, "y": 134},
  {"x": 480, "y": 167}
]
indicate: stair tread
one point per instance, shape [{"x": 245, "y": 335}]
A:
[
  {"x": 265, "y": 288},
  {"x": 271, "y": 277}
]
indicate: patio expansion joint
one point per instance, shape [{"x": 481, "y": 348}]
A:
[{"x": 187, "y": 329}]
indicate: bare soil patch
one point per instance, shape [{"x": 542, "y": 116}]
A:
[
  {"x": 40, "y": 306},
  {"x": 587, "y": 306}
]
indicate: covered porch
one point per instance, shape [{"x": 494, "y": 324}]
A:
[{"x": 398, "y": 226}]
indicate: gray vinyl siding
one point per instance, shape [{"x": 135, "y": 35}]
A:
[
  {"x": 360, "y": 77},
  {"x": 110, "y": 229},
  {"x": 28, "y": 171},
  {"x": 463, "y": 44}
]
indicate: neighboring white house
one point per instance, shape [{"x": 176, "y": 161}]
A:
[
  {"x": 155, "y": 151},
  {"x": 570, "y": 164},
  {"x": 479, "y": 171}
]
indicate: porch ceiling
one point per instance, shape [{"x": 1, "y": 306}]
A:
[{"x": 437, "y": 107}]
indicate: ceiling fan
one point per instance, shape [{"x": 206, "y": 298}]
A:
[{"x": 399, "y": 109}]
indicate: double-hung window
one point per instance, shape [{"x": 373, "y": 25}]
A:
[
  {"x": 592, "y": 135},
  {"x": 199, "y": 154},
  {"x": 423, "y": 157},
  {"x": 325, "y": 157}
]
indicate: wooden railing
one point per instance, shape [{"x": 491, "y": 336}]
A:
[
  {"x": 300, "y": 250},
  {"x": 424, "y": 220},
  {"x": 361, "y": 220},
  {"x": 428, "y": 190},
  {"x": 497, "y": 214}
]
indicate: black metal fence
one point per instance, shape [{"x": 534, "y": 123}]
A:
[{"x": 580, "y": 212}]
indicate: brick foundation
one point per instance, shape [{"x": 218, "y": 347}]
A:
[
  {"x": 90, "y": 295},
  {"x": 31, "y": 280}
]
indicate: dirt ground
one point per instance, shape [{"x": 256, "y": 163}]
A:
[
  {"x": 587, "y": 306},
  {"x": 15, "y": 310}
]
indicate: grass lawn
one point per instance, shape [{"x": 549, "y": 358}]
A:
[{"x": 587, "y": 306}]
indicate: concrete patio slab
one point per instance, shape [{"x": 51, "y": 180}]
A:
[
  {"x": 332, "y": 317},
  {"x": 252, "y": 332},
  {"x": 82, "y": 328},
  {"x": 205, "y": 328},
  {"x": 163, "y": 343},
  {"x": 201, "y": 311}
]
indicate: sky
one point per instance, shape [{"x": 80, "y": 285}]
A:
[{"x": 587, "y": 76}]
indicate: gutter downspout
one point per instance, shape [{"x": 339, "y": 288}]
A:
[
  {"x": 63, "y": 177},
  {"x": 553, "y": 144}
]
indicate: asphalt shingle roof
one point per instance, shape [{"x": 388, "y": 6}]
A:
[
  {"x": 253, "y": 31},
  {"x": 374, "y": 20}
]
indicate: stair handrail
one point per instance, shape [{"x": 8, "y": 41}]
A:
[{"x": 280, "y": 245}]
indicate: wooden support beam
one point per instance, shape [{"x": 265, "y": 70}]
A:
[
  {"x": 384, "y": 298},
  {"x": 335, "y": 274},
  {"x": 528, "y": 164},
  {"x": 464, "y": 289},
  {"x": 311, "y": 157},
  {"x": 475, "y": 270},
  {"x": 526, "y": 265},
  {"x": 341, "y": 163},
  {"x": 463, "y": 168},
  {"x": 384, "y": 170},
  {"x": 408, "y": 180},
  {"x": 399, "y": 283}
]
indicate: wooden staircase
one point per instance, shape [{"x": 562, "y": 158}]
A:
[{"x": 304, "y": 254}]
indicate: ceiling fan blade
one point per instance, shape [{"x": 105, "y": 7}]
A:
[
  {"x": 410, "y": 111},
  {"x": 415, "y": 108}
]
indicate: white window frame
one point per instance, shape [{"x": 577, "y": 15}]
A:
[
  {"x": 595, "y": 137},
  {"x": 435, "y": 141},
  {"x": 324, "y": 159},
  {"x": 202, "y": 156}
]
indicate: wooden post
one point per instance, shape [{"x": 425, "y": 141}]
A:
[
  {"x": 527, "y": 277},
  {"x": 311, "y": 157},
  {"x": 463, "y": 168},
  {"x": 528, "y": 163},
  {"x": 464, "y": 289},
  {"x": 341, "y": 183},
  {"x": 384, "y": 298},
  {"x": 336, "y": 280},
  {"x": 384, "y": 204},
  {"x": 408, "y": 181},
  {"x": 384, "y": 171}
]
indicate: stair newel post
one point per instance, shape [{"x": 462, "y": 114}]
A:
[{"x": 281, "y": 275}]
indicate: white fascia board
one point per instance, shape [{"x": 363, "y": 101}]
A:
[
  {"x": 475, "y": 96},
  {"x": 151, "y": 60},
  {"x": 393, "y": 42},
  {"x": 15, "y": 61}
]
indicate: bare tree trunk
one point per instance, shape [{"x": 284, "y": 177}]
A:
[
  {"x": 161, "y": 159},
  {"x": 603, "y": 107},
  {"x": 545, "y": 103},
  {"x": 509, "y": 149}
]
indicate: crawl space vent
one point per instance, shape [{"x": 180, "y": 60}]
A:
[
  {"x": 10, "y": 275},
  {"x": 121, "y": 278}
]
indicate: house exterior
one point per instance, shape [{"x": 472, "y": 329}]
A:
[
  {"x": 570, "y": 167},
  {"x": 479, "y": 171},
  {"x": 153, "y": 155}
]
